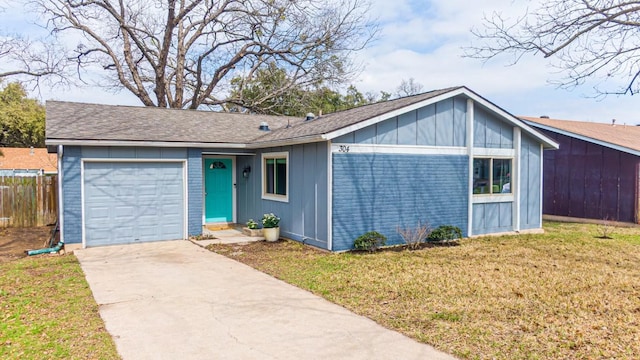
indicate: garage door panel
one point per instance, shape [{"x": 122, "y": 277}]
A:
[
  {"x": 148, "y": 232},
  {"x": 148, "y": 189},
  {"x": 123, "y": 235},
  {"x": 171, "y": 227},
  {"x": 129, "y": 202},
  {"x": 123, "y": 212}
]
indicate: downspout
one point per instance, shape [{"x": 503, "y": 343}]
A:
[
  {"x": 58, "y": 227},
  {"x": 470, "y": 148},
  {"x": 60, "y": 196}
]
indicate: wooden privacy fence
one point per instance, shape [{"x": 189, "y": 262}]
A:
[{"x": 28, "y": 200}]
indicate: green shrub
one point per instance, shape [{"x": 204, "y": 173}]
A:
[
  {"x": 445, "y": 232},
  {"x": 370, "y": 241}
]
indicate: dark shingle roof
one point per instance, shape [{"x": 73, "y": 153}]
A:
[
  {"x": 341, "y": 119},
  {"x": 76, "y": 121},
  {"x": 626, "y": 136}
]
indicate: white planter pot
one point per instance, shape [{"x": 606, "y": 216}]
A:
[{"x": 271, "y": 234}]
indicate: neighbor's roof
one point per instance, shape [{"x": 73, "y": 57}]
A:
[
  {"x": 74, "y": 123},
  {"x": 28, "y": 159},
  {"x": 619, "y": 136}
]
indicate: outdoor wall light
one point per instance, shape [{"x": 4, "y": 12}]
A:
[{"x": 246, "y": 171}]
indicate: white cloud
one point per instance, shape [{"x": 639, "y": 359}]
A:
[{"x": 424, "y": 40}]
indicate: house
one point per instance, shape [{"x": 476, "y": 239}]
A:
[
  {"x": 134, "y": 174},
  {"x": 27, "y": 162},
  {"x": 596, "y": 172}
]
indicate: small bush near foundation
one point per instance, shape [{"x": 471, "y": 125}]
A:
[
  {"x": 370, "y": 241},
  {"x": 415, "y": 236},
  {"x": 445, "y": 233}
]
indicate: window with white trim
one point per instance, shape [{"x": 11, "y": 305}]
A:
[
  {"x": 275, "y": 176},
  {"x": 492, "y": 176}
]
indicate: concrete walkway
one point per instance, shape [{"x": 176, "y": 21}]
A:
[
  {"x": 175, "y": 300},
  {"x": 228, "y": 236}
]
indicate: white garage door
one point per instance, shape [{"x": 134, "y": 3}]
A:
[{"x": 128, "y": 202}]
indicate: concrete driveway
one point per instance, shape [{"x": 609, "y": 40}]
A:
[{"x": 175, "y": 300}]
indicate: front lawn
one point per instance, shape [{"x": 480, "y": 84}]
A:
[
  {"x": 562, "y": 295},
  {"x": 47, "y": 312}
]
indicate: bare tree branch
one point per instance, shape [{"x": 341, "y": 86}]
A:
[
  {"x": 584, "y": 39},
  {"x": 33, "y": 61},
  {"x": 184, "y": 53},
  {"x": 409, "y": 87}
]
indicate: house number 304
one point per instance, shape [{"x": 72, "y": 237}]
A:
[{"x": 343, "y": 148}]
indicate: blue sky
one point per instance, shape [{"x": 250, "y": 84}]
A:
[{"x": 424, "y": 40}]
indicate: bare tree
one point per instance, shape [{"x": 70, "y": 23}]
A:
[
  {"x": 587, "y": 39},
  {"x": 34, "y": 61},
  {"x": 184, "y": 53},
  {"x": 409, "y": 87},
  {"x": 31, "y": 60}
]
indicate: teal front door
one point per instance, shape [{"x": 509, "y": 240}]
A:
[{"x": 218, "y": 190}]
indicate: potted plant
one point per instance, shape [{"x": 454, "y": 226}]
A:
[
  {"x": 270, "y": 227},
  {"x": 252, "y": 229}
]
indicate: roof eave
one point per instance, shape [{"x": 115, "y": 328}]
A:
[
  {"x": 140, "y": 143},
  {"x": 286, "y": 142}
]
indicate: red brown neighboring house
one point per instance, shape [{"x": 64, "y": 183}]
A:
[
  {"x": 596, "y": 172},
  {"x": 27, "y": 162}
]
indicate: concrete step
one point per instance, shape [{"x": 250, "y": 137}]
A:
[{"x": 220, "y": 226}]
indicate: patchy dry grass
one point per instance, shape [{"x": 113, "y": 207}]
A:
[
  {"x": 561, "y": 295},
  {"x": 47, "y": 312}
]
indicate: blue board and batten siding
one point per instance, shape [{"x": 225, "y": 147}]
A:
[
  {"x": 439, "y": 124},
  {"x": 383, "y": 191},
  {"x": 72, "y": 181},
  {"x": 531, "y": 186},
  {"x": 491, "y": 132},
  {"x": 494, "y": 217},
  {"x": 304, "y": 217}
]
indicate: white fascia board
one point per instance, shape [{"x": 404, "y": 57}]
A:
[
  {"x": 143, "y": 143},
  {"x": 584, "y": 138},
  {"x": 363, "y": 124},
  {"x": 492, "y": 198},
  {"x": 493, "y": 152},
  {"x": 338, "y": 148}
]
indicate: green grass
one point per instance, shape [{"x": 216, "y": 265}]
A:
[
  {"x": 563, "y": 294},
  {"x": 48, "y": 312}
]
